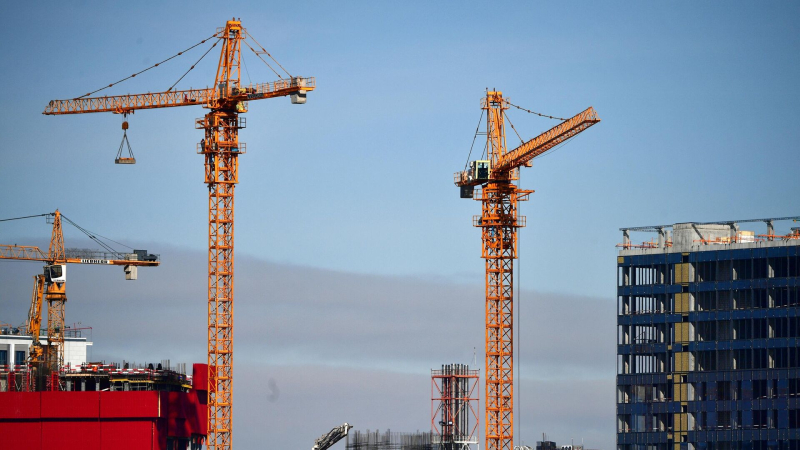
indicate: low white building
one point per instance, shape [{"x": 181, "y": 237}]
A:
[{"x": 14, "y": 350}]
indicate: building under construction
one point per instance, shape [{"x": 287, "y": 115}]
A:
[
  {"x": 454, "y": 406},
  {"x": 390, "y": 440},
  {"x": 708, "y": 334},
  {"x": 95, "y": 405}
]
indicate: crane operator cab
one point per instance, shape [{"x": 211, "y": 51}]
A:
[
  {"x": 55, "y": 273},
  {"x": 478, "y": 172}
]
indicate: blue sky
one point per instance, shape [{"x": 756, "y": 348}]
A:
[{"x": 697, "y": 102}]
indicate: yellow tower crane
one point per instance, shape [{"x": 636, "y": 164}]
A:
[
  {"x": 52, "y": 283},
  {"x": 499, "y": 221},
  {"x": 220, "y": 147}
]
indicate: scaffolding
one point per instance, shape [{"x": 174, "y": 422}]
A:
[
  {"x": 454, "y": 407},
  {"x": 389, "y": 440}
]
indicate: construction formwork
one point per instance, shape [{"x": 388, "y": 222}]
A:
[
  {"x": 390, "y": 440},
  {"x": 709, "y": 341},
  {"x": 454, "y": 407}
]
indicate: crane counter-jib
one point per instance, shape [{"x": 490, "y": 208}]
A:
[{"x": 190, "y": 97}]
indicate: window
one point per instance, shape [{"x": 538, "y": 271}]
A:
[
  {"x": 19, "y": 357},
  {"x": 3, "y": 357}
]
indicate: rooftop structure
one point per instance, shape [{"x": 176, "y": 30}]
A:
[
  {"x": 709, "y": 338},
  {"x": 15, "y": 348}
]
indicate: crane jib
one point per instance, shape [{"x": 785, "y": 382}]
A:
[{"x": 170, "y": 99}]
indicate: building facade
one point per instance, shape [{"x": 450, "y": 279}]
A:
[
  {"x": 14, "y": 349},
  {"x": 708, "y": 333}
]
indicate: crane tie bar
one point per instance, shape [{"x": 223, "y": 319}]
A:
[
  {"x": 153, "y": 66},
  {"x": 263, "y": 50},
  {"x": 193, "y": 65},
  {"x": 26, "y": 217},
  {"x": 538, "y": 114}
]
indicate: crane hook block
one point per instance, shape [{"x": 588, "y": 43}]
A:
[{"x": 125, "y": 159}]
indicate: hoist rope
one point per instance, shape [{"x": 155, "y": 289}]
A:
[
  {"x": 473, "y": 140},
  {"x": 533, "y": 112},
  {"x": 268, "y": 54},
  {"x": 151, "y": 67},
  {"x": 557, "y": 147},
  {"x": 193, "y": 65},
  {"x": 262, "y": 59},
  {"x": 517, "y": 291}
]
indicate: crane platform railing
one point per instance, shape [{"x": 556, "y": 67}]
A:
[
  {"x": 479, "y": 221},
  {"x": 131, "y": 102},
  {"x": 240, "y": 147}
]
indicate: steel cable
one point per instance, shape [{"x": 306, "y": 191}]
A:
[
  {"x": 94, "y": 236},
  {"x": 268, "y": 54},
  {"x": 533, "y": 112},
  {"x": 473, "y": 140},
  {"x": 151, "y": 67},
  {"x": 265, "y": 62},
  {"x": 193, "y": 65},
  {"x": 26, "y": 217}
]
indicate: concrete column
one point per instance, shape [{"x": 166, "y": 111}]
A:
[
  {"x": 661, "y": 238},
  {"x": 11, "y": 356},
  {"x": 770, "y": 230},
  {"x": 626, "y": 239}
]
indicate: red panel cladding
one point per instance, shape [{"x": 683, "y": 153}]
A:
[
  {"x": 70, "y": 405},
  {"x": 129, "y": 404},
  {"x": 71, "y": 435},
  {"x": 185, "y": 415},
  {"x": 199, "y": 416},
  {"x": 200, "y": 377},
  {"x": 20, "y": 405},
  {"x": 21, "y": 435},
  {"x": 129, "y": 435}
]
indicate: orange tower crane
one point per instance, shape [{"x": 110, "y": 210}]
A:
[
  {"x": 221, "y": 149},
  {"x": 34, "y": 325},
  {"x": 499, "y": 221},
  {"x": 55, "y": 276}
]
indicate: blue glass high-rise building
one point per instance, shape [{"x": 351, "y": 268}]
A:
[{"x": 708, "y": 354}]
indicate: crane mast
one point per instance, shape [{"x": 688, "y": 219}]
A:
[
  {"x": 499, "y": 221},
  {"x": 56, "y": 294},
  {"x": 34, "y": 325},
  {"x": 221, "y": 150}
]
